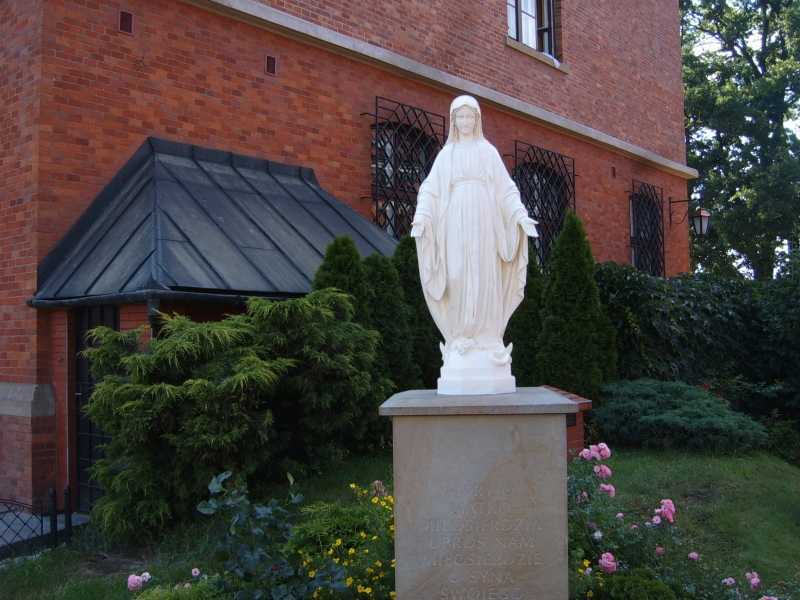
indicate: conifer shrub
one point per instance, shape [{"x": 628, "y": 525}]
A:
[
  {"x": 665, "y": 414},
  {"x": 390, "y": 316},
  {"x": 525, "y": 324},
  {"x": 426, "y": 337},
  {"x": 636, "y": 585},
  {"x": 569, "y": 346},
  {"x": 284, "y": 381},
  {"x": 342, "y": 268}
]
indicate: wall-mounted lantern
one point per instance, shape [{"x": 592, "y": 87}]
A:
[{"x": 700, "y": 217}]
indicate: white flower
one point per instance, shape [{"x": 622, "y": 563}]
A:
[{"x": 598, "y": 535}]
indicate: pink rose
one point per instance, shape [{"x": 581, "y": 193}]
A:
[
  {"x": 660, "y": 551},
  {"x": 602, "y": 471},
  {"x": 694, "y": 556},
  {"x": 667, "y": 510},
  {"x": 134, "y": 583},
  {"x": 586, "y": 454},
  {"x": 607, "y": 562},
  {"x": 729, "y": 581},
  {"x": 620, "y": 515},
  {"x": 604, "y": 450},
  {"x": 656, "y": 520},
  {"x": 595, "y": 452},
  {"x": 753, "y": 578},
  {"x": 634, "y": 526},
  {"x": 195, "y": 572},
  {"x": 609, "y": 489}
]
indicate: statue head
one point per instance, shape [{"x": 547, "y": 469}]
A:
[{"x": 464, "y": 113}]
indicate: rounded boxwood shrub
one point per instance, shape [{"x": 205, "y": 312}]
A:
[
  {"x": 660, "y": 414},
  {"x": 636, "y": 585}
]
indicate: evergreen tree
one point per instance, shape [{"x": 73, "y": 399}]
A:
[
  {"x": 526, "y": 324},
  {"x": 390, "y": 316},
  {"x": 607, "y": 346},
  {"x": 342, "y": 269},
  {"x": 568, "y": 356},
  {"x": 426, "y": 352}
]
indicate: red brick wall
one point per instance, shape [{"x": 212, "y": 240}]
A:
[
  {"x": 77, "y": 98},
  {"x": 196, "y": 76},
  {"x": 20, "y": 75},
  {"x": 624, "y": 56}
]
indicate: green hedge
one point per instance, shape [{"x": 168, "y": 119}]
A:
[{"x": 661, "y": 414}]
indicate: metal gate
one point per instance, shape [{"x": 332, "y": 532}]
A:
[{"x": 89, "y": 436}]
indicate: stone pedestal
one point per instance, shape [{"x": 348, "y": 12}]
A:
[{"x": 480, "y": 495}]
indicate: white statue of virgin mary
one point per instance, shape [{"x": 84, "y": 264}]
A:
[{"x": 471, "y": 231}]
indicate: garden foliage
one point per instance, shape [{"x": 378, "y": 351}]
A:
[
  {"x": 284, "y": 381},
  {"x": 661, "y": 414},
  {"x": 258, "y": 564},
  {"x": 526, "y": 324},
  {"x": 573, "y": 333},
  {"x": 424, "y": 333},
  {"x": 390, "y": 316}
]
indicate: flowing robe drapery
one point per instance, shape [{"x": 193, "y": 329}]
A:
[{"x": 472, "y": 251}]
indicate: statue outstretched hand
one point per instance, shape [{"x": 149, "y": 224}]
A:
[{"x": 529, "y": 227}]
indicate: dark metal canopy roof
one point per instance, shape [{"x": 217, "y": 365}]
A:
[{"x": 183, "y": 221}]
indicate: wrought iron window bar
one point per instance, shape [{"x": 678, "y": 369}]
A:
[
  {"x": 647, "y": 228},
  {"x": 406, "y": 140},
  {"x": 546, "y": 181}
]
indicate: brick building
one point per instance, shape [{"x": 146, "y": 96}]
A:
[{"x": 584, "y": 99}]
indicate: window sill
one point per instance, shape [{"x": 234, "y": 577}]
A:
[{"x": 540, "y": 56}]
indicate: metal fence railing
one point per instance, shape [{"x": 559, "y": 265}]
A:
[{"x": 25, "y": 528}]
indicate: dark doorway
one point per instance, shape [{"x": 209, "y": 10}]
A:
[{"x": 90, "y": 438}]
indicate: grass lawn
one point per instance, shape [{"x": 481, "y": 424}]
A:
[{"x": 742, "y": 513}]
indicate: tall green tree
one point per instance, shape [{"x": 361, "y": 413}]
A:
[
  {"x": 390, "y": 316},
  {"x": 526, "y": 324},
  {"x": 573, "y": 333},
  {"x": 342, "y": 269},
  {"x": 426, "y": 336},
  {"x": 742, "y": 86}
]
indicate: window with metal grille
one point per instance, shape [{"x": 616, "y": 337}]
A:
[
  {"x": 647, "y": 228},
  {"x": 405, "y": 142},
  {"x": 546, "y": 181},
  {"x": 532, "y": 23}
]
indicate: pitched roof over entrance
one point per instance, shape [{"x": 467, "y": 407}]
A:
[{"x": 181, "y": 219}]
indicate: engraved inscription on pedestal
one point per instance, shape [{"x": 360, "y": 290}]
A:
[{"x": 480, "y": 507}]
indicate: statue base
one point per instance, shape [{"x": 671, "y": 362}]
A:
[
  {"x": 476, "y": 372},
  {"x": 480, "y": 488}
]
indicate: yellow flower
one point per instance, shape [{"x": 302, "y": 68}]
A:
[
  {"x": 374, "y": 537},
  {"x": 348, "y": 582},
  {"x": 374, "y": 500},
  {"x": 394, "y": 562},
  {"x": 363, "y": 535},
  {"x": 586, "y": 563},
  {"x": 378, "y": 563},
  {"x": 312, "y": 574},
  {"x": 351, "y": 551},
  {"x": 338, "y": 542},
  {"x": 392, "y": 594},
  {"x": 366, "y": 550},
  {"x": 353, "y": 486}
]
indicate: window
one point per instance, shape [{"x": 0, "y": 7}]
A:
[
  {"x": 647, "y": 228},
  {"x": 405, "y": 142},
  {"x": 531, "y": 22},
  {"x": 546, "y": 181}
]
